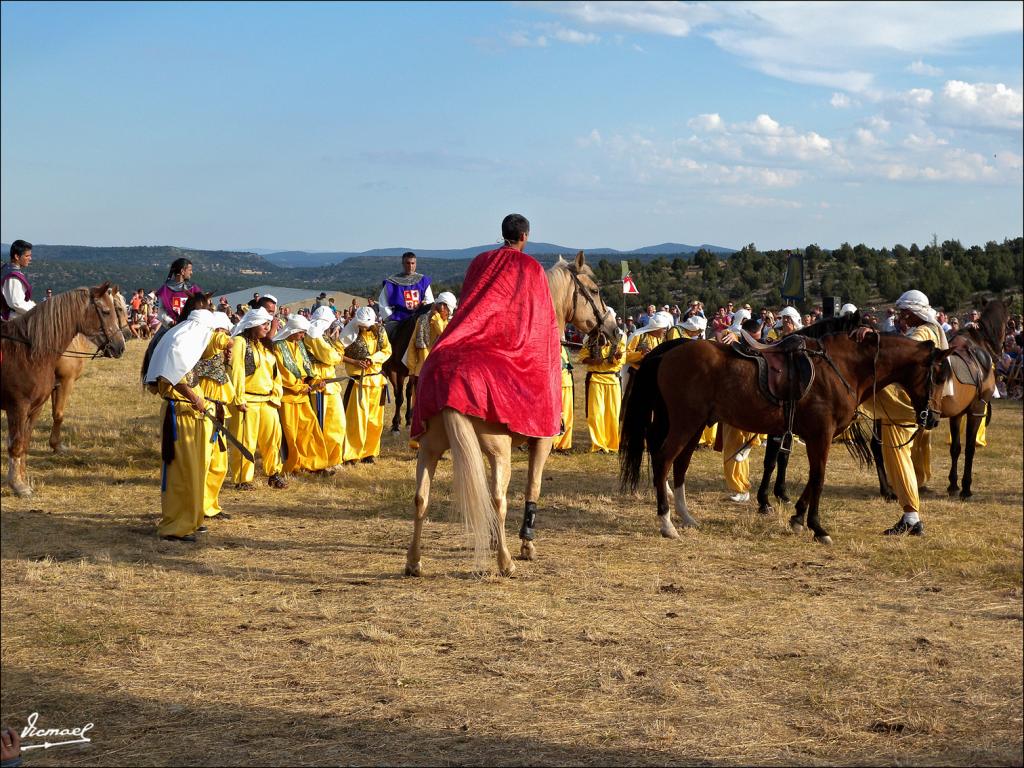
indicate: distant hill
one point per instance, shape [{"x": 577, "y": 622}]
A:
[{"x": 322, "y": 258}]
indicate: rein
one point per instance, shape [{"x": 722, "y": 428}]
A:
[{"x": 874, "y": 392}]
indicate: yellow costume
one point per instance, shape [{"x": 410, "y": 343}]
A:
[
  {"x": 893, "y": 408},
  {"x": 183, "y": 481},
  {"x": 737, "y": 473},
  {"x": 326, "y": 356},
  {"x": 428, "y": 329},
  {"x": 980, "y": 439},
  {"x": 364, "y": 396},
  {"x": 214, "y": 384},
  {"x": 303, "y": 438},
  {"x": 255, "y": 376},
  {"x": 604, "y": 394},
  {"x": 638, "y": 347},
  {"x": 563, "y": 442}
]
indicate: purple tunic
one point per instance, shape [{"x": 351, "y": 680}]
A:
[
  {"x": 404, "y": 300},
  {"x": 11, "y": 272}
]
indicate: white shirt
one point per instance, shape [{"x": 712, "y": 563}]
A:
[
  {"x": 385, "y": 310},
  {"x": 14, "y": 295}
]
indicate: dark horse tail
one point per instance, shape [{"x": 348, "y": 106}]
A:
[
  {"x": 859, "y": 436},
  {"x": 644, "y": 417}
]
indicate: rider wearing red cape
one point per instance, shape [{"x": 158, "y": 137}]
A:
[{"x": 499, "y": 357}]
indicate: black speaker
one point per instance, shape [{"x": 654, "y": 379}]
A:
[{"x": 830, "y": 306}]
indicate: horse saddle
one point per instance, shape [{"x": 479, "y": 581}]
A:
[
  {"x": 970, "y": 366},
  {"x": 784, "y": 369}
]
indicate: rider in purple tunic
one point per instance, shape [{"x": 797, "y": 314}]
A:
[{"x": 404, "y": 292}]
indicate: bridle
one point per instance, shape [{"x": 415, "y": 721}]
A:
[
  {"x": 579, "y": 288},
  {"x": 101, "y": 349}
]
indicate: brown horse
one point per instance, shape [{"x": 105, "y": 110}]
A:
[
  {"x": 684, "y": 385},
  {"x": 31, "y": 345},
  {"x": 480, "y": 495},
  {"x": 70, "y": 366},
  {"x": 397, "y": 372}
]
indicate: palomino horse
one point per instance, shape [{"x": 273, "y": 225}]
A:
[
  {"x": 70, "y": 366},
  {"x": 973, "y": 352},
  {"x": 31, "y": 345},
  {"x": 481, "y": 498},
  {"x": 684, "y": 385}
]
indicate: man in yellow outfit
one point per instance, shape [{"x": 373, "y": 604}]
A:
[
  {"x": 563, "y": 442},
  {"x": 186, "y": 432},
  {"x": 254, "y": 374},
  {"x": 326, "y": 355},
  {"x": 736, "y": 443},
  {"x": 366, "y": 349},
  {"x": 603, "y": 358},
  {"x": 305, "y": 447},
  {"x": 215, "y": 386},
  {"x": 645, "y": 339},
  {"x": 893, "y": 408},
  {"x": 428, "y": 330}
]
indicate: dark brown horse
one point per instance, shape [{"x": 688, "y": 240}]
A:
[
  {"x": 684, "y": 385},
  {"x": 397, "y": 372},
  {"x": 31, "y": 345}
]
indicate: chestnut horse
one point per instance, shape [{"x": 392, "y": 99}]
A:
[
  {"x": 70, "y": 366},
  {"x": 31, "y": 345},
  {"x": 479, "y": 495},
  {"x": 684, "y": 385}
]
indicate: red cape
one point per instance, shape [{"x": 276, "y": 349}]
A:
[{"x": 499, "y": 358}]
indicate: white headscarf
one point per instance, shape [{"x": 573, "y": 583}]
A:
[
  {"x": 181, "y": 347},
  {"x": 917, "y": 302},
  {"x": 658, "y": 321},
  {"x": 848, "y": 309},
  {"x": 321, "y": 319},
  {"x": 365, "y": 317},
  {"x": 251, "y": 319},
  {"x": 221, "y": 321},
  {"x": 793, "y": 315},
  {"x": 448, "y": 299},
  {"x": 695, "y": 323},
  {"x": 737, "y": 320},
  {"x": 295, "y": 324}
]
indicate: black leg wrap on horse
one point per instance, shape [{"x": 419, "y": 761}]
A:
[{"x": 529, "y": 520}]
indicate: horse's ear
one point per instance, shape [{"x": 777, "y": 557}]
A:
[
  {"x": 101, "y": 289},
  {"x": 560, "y": 260},
  {"x": 115, "y": 288},
  {"x": 581, "y": 260}
]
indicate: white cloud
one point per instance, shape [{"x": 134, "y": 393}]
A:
[
  {"x": 711, "y": 122},
  {"x": 840, "y": 101},
  {"x": 878, "y": 124},
  {"x": 825, "y": 44},
  {"x": 592, "y": 139},
  {"x": 524, "y": 40},
  {"x": 745, "y": 200},
  {"x": 981, "y": 104},
  {"x": 572, "y": 36},
  {"x": 920, "y": 68}
]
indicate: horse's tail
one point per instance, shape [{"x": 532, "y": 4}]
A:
[
  {"x": 642, "y": 398},
  {"x": 469, "y": 485},
  {"x": 859, "y": 442}
]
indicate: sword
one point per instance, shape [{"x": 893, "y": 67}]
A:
[
  {"x": 743, "y": 447},
  {"x": 246, "y": 453}
]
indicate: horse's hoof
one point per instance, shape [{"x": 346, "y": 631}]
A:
[
  {"x": 412, "y": 569},
  {"x": 890, "y": 496},
  {"x": 965, "y": 495},
  {"x": 782, "y": 497},
  {"x": 826, "y": 540},
  {"x": 507, "y": 572},
  {"x": 953, "y": 491},
  {"x": 59, "y": 448},
  {"x": 22, "y": 491},
  {"x": 667, "y": 529},
  {"x": 395, "y": 430},
  {"x": 795, "y": 525},
  {"x": 766, "y": 509},
  {"x": 527, "y": 551}
]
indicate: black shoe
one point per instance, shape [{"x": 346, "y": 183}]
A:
[
  {"x": 369, "y": 460},
  {"x": 903, "y": 527},
  {"x": 202, "y": 529},
  {"x": 190, "y": 538}
]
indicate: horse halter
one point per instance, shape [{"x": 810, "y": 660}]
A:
[
  {"x": 108, "y": 344},
  {"x": 577, "y": 288}
]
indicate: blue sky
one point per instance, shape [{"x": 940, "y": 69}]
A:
[{"x": 356, "y": 126}]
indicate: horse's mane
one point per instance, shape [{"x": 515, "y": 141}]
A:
[
  {"x": 831, "y": 325},
  {"x": 46, "y": 326},
  {"x": 993, "y": 325}
]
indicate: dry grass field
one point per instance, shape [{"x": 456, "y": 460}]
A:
[{"x": 289, "y": 635}]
